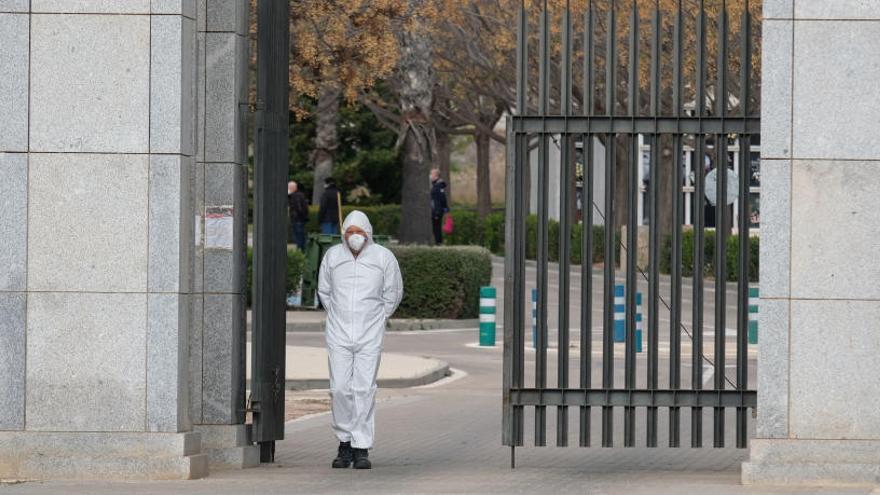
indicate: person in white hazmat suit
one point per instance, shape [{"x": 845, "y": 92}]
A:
[{"x": 360, "y": 287}]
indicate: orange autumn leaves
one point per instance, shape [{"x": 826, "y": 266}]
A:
[{"x": 354, "y": 43}]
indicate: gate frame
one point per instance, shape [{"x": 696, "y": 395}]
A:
[{"x": 613, "y": 126}]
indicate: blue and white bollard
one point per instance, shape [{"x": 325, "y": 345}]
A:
[
  {"x": 620, "y": 316},
  {"x": 754, "y": 299},
  {"x": 487, "y": 316},
  {"x": 619, "y": 313},
  {"x": 638, "y": 322},
  {"x": 534, "y": 318}
]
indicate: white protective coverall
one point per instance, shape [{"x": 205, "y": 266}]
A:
[{"x": 359, "y": 294}]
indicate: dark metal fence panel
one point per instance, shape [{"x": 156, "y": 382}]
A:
[{"x": 663, "y": 117}]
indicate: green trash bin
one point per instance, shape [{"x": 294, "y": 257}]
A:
[{"x": 317, "y": 246}]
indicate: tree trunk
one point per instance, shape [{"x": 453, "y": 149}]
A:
[
  {"x": 484, "y": 187},
  {"x": 326, "y": 138},
  {"x": 415, "y": 85},
  {"x": 443, "y": 161}
]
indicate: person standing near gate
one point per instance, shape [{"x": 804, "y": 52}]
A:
[
  {"x": 438, "y": 205},
  {"x": 299, "y": 214},
  {"x": 328, "y": 211},
  {"x": 360, "y": 287}
]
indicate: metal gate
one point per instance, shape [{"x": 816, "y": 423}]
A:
[{"x": 668, "y": 109}]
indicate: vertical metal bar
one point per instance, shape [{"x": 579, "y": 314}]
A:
[
  {"x": 512, "y": 298},
  {"x": 564, "y": 286},
  {"x": 520, "y": 255},
  {"x": 631, "y": 288},
  {"x": 511, "y": 285},
  {"x": 270, "y": 220},
  {"x": 611, "y": 60},
  {"x": 654, "y": 244},
  {"x": 721, "y": 235},
  {"x": 514, "y": 318},
  {"x": 677, "y": 222},
  {"x": 522, "y": 60},
  {"x": 699, "y": 233},
  {"x": 742, "y": 324},
  {"x": 746, "y": 60},
  {"x": 655, "y": 60},
  {"x": 544, "y": 62},
  {"x": 721, "y": 72},
  {"x": 543, "y": 220},
  {"x": 629, "y": 415},
  {"x": 542, "y": 255},
  {"x": 745, "y": 143},
  {"x": 521, "y": 144},
  {"x": 610, "y": 234},
  {"x": 633, "y": 86},
  {"x": 566, "y": 185},
  {"x": 721, "y": 225},
  {"x": 589, "y": 47},
  {"x": 586, "y": 343}
]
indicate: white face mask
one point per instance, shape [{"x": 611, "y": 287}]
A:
[{"x": 356, "y": 242}]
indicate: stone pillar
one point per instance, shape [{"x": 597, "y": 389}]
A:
[
  {"x": 818, "y": 365},
  {"x": 96, "y": 229},
  {"x": 218, "y": 340}
]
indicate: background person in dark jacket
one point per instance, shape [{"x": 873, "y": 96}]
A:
[
  {"x": 438, "y": 205},
  {"x": 328, "y": 211},
  {"x": 299, "y": 215}
]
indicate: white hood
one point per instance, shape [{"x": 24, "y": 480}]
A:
[{"x": 360, "y": 220}]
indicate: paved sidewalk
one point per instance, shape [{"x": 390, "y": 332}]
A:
[
  {"x": 306, "y": 369},
  {"x": 446, "y": 438}
]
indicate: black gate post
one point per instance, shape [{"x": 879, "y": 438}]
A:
[{"x": 270, "y": 225}]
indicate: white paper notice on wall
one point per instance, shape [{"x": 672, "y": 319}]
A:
[
  {"x": 219, "y": 227},
  {"x": 198, "y": 230}
]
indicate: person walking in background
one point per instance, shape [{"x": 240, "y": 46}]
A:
[
  {"x": 328, "y": 211},
  {"x": 438, "y": 204},
  {"x": 299, "y": 215},
  {"x": 360, "y": 287}
]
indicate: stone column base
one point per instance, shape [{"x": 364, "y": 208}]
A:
[
  {"x": 28, "y": 455},
  {"x": 229, "y": 446},
  {"x": 812, "y": 462}
]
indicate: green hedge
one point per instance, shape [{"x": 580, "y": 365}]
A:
[
  {"x": 384, "y": 218},
  {"x": 489, "y": 233},
  {"x": 687, "y": 255},
  {"x": 296, "y": 264},
  {"x": 469, "y": 229},
  {"x": 442, "y": 282}
]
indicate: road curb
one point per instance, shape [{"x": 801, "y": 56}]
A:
[
  {"x": 395, "y": 325},
  {"x": 435, "y": 374}
]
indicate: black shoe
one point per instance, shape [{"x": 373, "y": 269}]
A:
[
  {"x": 344, "y": 456},
  {"x": 360, "y": 459}
]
